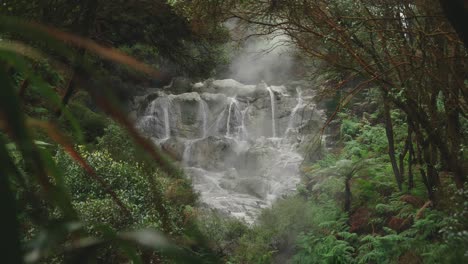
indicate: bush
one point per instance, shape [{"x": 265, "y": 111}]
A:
[
  {"x": 93, "y": 202},
  {"x": 117, "y": 142},
  {"x": 224, "y": 232},
  {"x": 91, "y": 123},
  {"x": 325, "y": 249},
  {"x": 273, "y": 238}
]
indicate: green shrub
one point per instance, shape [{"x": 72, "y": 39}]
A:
[
  {"x": 127, "y": 181},
  {"x": 117, "y": 142},
  {"x": 92, "y": 124},
  {"x": 224, "y": 232},
  {"x": 327, "y": 249}
]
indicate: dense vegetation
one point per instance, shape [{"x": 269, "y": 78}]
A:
[
  {"x": 79, "y": 183},
  {"x": 349, "y": 209}
]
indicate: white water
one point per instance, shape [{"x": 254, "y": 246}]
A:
[
  {"x": 244, "y": 133},
  {"x": 167, "y": 125},
  {"x": 187, "y": 152},
  {"x": 203, "y": 113},
  {"x": 228, "y": 144},
  {"x": 273, "y": 119},
  {"x": 219, "y": 119},
  {"x": 232, "y": 102},
  {"x": 299, "y": 105}
]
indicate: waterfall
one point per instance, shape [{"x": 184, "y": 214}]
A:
[
  {"x": 203, "y": 115},
  {"x": 299, "y": 105},
  {"x": 244, "y": 133},
  {"x": 273, "y": 118},
  {"x": 186, "y": 156},
  {"x": 232, "y": 101},
  {"x": 218, "y": 121},
  {"x": 220, "y": 133},
  {"x": 152, "y": 108},
  {"x": 167, "y": 125}
]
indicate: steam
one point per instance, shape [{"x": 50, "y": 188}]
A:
[{"x": 267, "y": 58}]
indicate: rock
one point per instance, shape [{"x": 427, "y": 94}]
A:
[
  {"x": 151, "y": 126},
  {"x": 228, "y": 87},
  {"x": 141, "y": 103},
  {"x": 282, "y": 90},
  {"x": 213, "y": 97},
  {"x": 133, "y": 116},
  {"x": 254, "y": 186},
  {"x": 179, "y": 85},
  {"x": 254, "y": 158},
  {"x": 185, "y": 115},
  {"x": 175, "y": 147},
  {"x": 222, "y": 131},
  {"x": 184, "y": 97},
  {"x": 213, "y": 153}
]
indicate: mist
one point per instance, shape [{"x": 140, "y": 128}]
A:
[{"x": 257, "y": 58}]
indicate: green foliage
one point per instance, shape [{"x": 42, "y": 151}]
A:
[
  {"x": 315, "y": 230},
  {"x": 92, "y": 124},
  {"x": 349, "y": 127},
  {"x": 116, "y": 141},
  {"x": 85, "y": 189},
  {"x": 368, "y": 141},
  {"x": 381, "y": 249},
  {"x": 132, "y": 185},
  {"x": 142, "y": 52},
  {"x": 224, "y": 232},
  {"x": 70, "y": 212},
  {"x": 144, "y": 28},
  {"x": 128, "y": 181},
  {"x": 425, "y": 239},
  {"x": 326, "y": 249},
  {"x": 277, "y": 229}
]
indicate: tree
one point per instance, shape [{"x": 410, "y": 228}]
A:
[
  {"x": 177, "y": 48},
  {"x": 406, "y": 48}
]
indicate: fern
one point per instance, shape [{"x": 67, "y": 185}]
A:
[
  {"x": 382, "y": 249},
  {"x": 326, "y": 249}
]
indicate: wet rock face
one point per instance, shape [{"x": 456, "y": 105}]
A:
[
  {"x": 252, "y": 186},
  {"x": 212, "y": 153},
  {"x": 175, "y": 146},
  {"x": 228, "y": 87},
  {"x": 179, "y": 85},
  {"x": 239, "y": 143}
]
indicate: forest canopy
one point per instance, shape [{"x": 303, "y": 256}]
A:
[{"x": 82, "y": 182}]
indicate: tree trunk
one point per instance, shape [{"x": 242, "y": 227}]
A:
[
  {"x": 84, "y": 27},
  {"x": 403, "y": 155},
  {"x": 456, "y": 12},
  {"x": 419, "y": 152},
  {"x": 391, "y": 143},
  {"x": 410, "y": 159},
  {"x": 454, "y": 133}
]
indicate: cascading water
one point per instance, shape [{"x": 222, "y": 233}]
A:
[
  {"x": 203, "y": 113},
  {"x": 222, "y": 134},
  {"x": 167, "y": 125},
  {"x": 232, "y": 102},
  {"x": 273, "y": 120},
  {"x": 187, "y": 152},
  {"x": 299, "y": 105},
  {"x": 215, "y": 127},
  {"x": 243, "y": 129}
]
